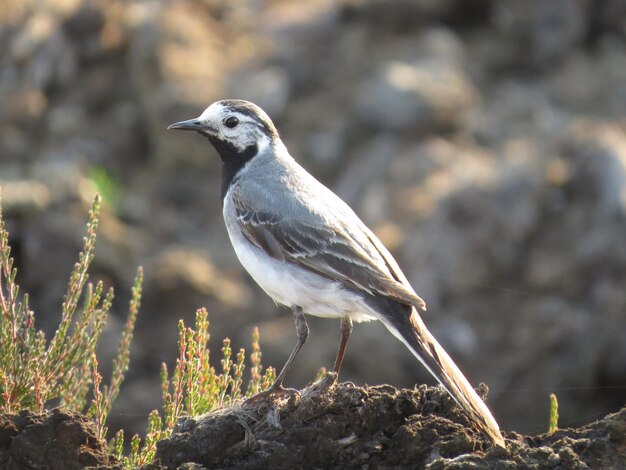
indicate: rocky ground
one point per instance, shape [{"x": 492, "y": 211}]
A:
[
  {"x": 326, "y": 425},
  {"x": 482, "y": 140}
]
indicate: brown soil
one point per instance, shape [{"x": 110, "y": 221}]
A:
[
  {"x": 326, "y": 425},
  {"x": 344, "y": 426},
  {"x": 54, "y": 440}
]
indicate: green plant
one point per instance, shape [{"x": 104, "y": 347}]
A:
[
  {"x": 35, "y": 370},
  {"x": 554, "y": 415},
  {"x": 106, "y": 186},
  {"x": 103, "y": 400},
  {"x": 195, "y": 387}
]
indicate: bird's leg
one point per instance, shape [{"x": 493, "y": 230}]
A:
[
  {"x": 302, "y": 329},
  {"x": 346, "y": 331}
]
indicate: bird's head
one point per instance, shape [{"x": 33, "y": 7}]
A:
[{"x": 234, "y": 127}]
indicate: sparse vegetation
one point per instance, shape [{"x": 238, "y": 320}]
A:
[
  {"x": 103, "y": 400},
  {"x": 195, "y": 387},
  {"x": 35, "y": 370}
]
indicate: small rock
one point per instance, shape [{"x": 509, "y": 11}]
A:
[{"x": 422, "y": 95}]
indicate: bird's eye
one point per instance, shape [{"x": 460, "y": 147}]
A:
[{"x": 231, "y": 122}]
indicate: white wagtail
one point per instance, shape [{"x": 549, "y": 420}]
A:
[{"x": 309, "y": 251}]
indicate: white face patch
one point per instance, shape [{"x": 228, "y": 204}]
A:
[
  {"x": 245, "y": 134},
  {"x": 212, "y": 113}
]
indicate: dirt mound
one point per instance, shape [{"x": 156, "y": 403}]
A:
[
  {"x": 343, "y": 426},
  {"x": 326, "y": 425},
  {"x": 54, "y": 440}
]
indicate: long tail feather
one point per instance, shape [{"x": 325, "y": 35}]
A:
[{"x": 414, "y": 334}]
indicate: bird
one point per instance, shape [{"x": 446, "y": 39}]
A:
[{"x": 309, "y": 251}]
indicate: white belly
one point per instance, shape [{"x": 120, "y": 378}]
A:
[{"x": 291, "y": 285}]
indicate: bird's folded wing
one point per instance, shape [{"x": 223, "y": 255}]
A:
[{"x": 328, "y": 250}]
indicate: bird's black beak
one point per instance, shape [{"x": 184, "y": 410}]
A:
[{"x": 189, "y": 125}]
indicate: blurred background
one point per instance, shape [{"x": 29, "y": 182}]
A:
[{"x": 482, "y": 140}]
